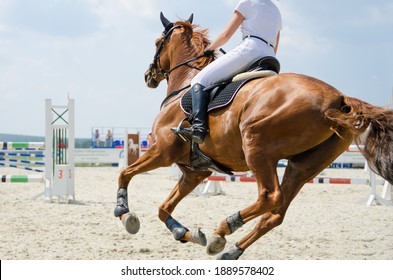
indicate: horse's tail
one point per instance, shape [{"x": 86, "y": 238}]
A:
[{"x": 357, "y": 115}]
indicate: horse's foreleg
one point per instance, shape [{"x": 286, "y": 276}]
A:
[
  {"x": 186, "y": 184},
  {"x": 149, "y": 161}
]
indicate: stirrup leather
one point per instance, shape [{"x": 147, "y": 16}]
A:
[
  {"x": 184, "y": 133},
  {"x": 200, "y": 161}
]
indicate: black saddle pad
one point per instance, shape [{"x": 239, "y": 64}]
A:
[{"x": 219, "y": 98}]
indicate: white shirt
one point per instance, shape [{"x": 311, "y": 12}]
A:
[{"x": 262, "y": 18}]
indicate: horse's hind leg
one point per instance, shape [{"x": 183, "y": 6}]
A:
[
  {"x": 301, "y": 168},
  {"x": 269, "y": 198},
  {"x": 188, "y": 181}
]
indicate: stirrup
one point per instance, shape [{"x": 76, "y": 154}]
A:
[{"x": 184, "y": 133}]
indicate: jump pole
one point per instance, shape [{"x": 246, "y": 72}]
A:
[
  {"x": 22, "y": 155},
  {"x": 316, "y": 180},
  {"x": 213, "y": 186},
  {"x": 22, "y": 145},
  {"x": 21, "y": 178}
]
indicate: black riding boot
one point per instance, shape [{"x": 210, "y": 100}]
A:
[{"x": 200, "y": 101}]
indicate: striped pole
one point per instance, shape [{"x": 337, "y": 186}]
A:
[
  {"x": 21, "y": 178},
  {"x": 21, "y": 145},
  {"x": 22, "y": 161},
  {"x": 235, "y": 178},
  {"x": 316, "y": 180},
  {"x": 19, "y": 154},
  {"x": 341, "y": 181},
  {"x": 20, "y": 167}
]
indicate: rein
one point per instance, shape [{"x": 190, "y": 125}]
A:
[
  {"x": 167, "y": 73},
  {"x": 184, "y": 63}
]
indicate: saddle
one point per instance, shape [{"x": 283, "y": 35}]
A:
[{"x": 221, "y": 95}]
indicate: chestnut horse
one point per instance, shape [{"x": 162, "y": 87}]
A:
[{"x": 285, "y": 116}]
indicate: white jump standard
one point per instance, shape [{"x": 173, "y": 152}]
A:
[{"x": 55, "y": 155}]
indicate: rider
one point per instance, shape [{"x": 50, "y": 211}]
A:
[{"x": 260, "y": 24}]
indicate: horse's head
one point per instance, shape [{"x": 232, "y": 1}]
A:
[
  {"x": 175, "y": 45},
  {"x": 158, "y": 69}
]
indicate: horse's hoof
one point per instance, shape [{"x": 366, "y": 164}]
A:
[
  {"x": 198, "y": 237},
  {"x": 131, "y": 222},
  {"x": 233, "y": 254},
  {"x": 215, "y": 244}
]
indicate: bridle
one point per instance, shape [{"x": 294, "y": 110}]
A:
[
  {"x": 156, "y": 64},
  {"x": 156, "y": 60}
]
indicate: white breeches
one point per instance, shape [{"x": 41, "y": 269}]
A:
[{"x": 234, "y": 62}]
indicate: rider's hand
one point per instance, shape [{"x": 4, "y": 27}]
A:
[{"x": 208, "y": 52}]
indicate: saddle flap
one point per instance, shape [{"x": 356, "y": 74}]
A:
[{"x": 220, "y": 98}]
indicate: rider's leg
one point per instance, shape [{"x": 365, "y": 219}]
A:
[{"x": 200, "y": 100}]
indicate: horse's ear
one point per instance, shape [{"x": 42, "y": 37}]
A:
[
  {"x": 165, "y": 22},
  {"x": 191, "y": 18}
]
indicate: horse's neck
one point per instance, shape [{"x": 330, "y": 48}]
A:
[{"x": 181, "y": 78}]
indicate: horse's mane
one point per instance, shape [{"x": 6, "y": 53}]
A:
[{"x": 198, "y": 40}]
